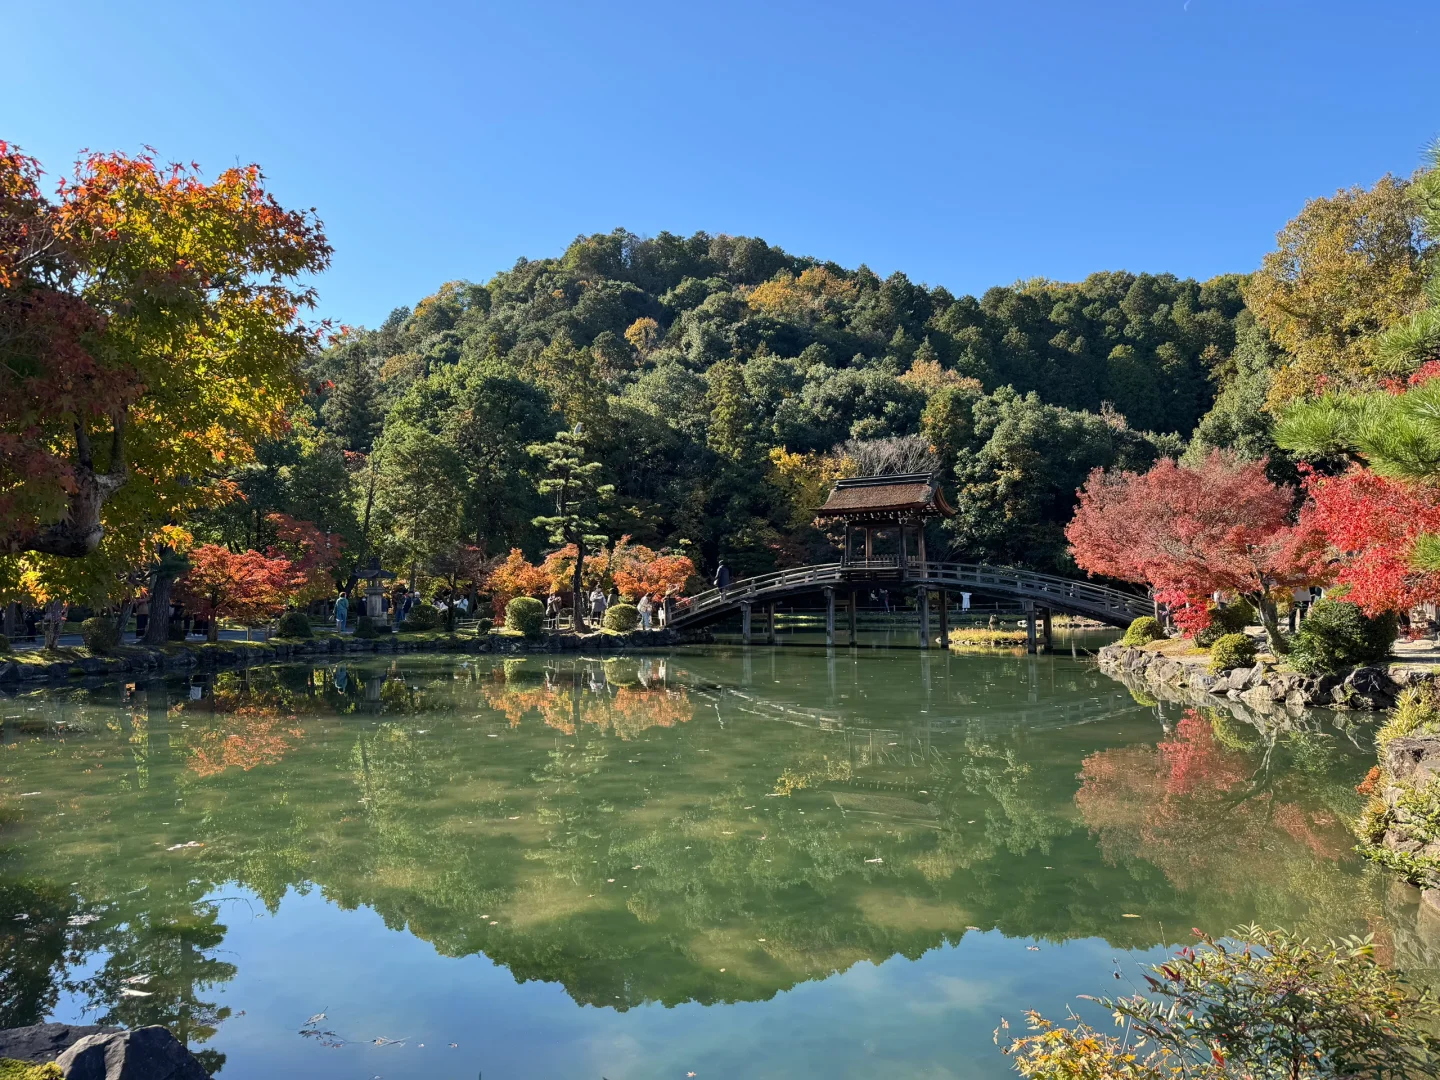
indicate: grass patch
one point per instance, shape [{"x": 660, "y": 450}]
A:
[{"x": 982, "y": 637}]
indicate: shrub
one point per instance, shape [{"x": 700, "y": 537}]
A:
[
  {"x": 484, "y": 626},
  {"x": 422, "y": 617},
  {"x": 4, "y": 643},
  {"x": 525, "y": 614},
  {"x": 621, "y": 617},
  {"x": 1231, "y": 619},
  {"x": 1232, "y": 651},
  {"x": 365, "y": 627},
  {"x": 1143, "y": 631},
  {"x": 100, "y": 634},
  {"x": 1273, "y": 1004},
  {"x": 1339, "y": 636},
  {"x": 1416, "y": 712},
  {"x": 175, "y": 630},
  {"x": 293, "y": 624}
]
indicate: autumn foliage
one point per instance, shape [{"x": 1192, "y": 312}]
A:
[
  {"x": 637, "y": 570},
  {"x": 1189, "y": 532},
  {"x": 247, "y": 586},
  {"x": 514, "y": 577},
  {"x": 1371, "y": 524},
  {"x": 149, "y": 321}
]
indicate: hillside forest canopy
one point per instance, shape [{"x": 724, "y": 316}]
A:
[{"x": 719, "y": 382}]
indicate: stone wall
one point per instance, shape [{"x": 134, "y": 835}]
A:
[{"x": 1261, "y": 686}]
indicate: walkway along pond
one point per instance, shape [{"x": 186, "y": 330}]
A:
[{"x": 736, "y": 862}]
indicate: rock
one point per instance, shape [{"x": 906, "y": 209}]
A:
[
  {"x": 44, "y": 1042},
  {"x": 1260, "y": 696},
  {"x": 1413, "y": 760},
  {"x": 1370, "y": 688},
  {"x": 147, "y": 1053},
  {"x": 1203, "y": 681}
]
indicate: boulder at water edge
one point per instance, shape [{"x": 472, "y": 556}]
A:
[{"x": 147, "y": 1053}]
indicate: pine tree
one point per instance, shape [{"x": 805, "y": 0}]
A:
[
  {"x": 352, "y": 412},
  {"x": 570, "y": 480}
]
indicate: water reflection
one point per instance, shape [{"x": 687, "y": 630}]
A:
[{"x": 706, "y": 828}]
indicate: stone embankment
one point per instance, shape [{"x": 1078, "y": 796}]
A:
[
  {"x": 131, "y": 661},
  {"x": 1262, "y": 687}
]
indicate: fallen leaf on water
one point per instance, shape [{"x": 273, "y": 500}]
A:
[
  {"x": 1032, "y": 948},
  {"x": 454, "y": 1045}
]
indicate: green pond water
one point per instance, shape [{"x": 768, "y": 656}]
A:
[{"x": 725, "y": 862}]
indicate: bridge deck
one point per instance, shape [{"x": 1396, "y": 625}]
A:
[{"x": 1110, "y": 606}]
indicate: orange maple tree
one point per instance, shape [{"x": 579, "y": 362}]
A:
[{"x": 247, "y": 586}]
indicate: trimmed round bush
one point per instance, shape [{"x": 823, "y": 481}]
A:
[
  {"x": 621, "y": 617},
  {"x": 422, "y": 617},
  {"x": 293, "y": 624},
  {"x": 101, "y": 635},
  {"x": 525, "y": 614},
  {"x": 1143, "y": 631},
  {"x": 484, "y": 626},
  {"x": 1231, "y": 619},
  {"x": 365, "y": 627},
  {"x": 1232, "y": 651},
  {"x": 1339, "y": 636}
]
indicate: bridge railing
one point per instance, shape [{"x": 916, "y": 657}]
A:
[{"x": 1045, "y": 589}]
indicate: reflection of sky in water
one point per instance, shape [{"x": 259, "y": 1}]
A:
[{"x": 954, "y": 839}]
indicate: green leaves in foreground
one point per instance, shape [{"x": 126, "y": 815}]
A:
[{"x": 1268, "y": 1006}]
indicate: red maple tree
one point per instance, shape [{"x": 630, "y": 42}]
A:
[
  {"x": 247, "y": 586},
  {"x": 1371, "y": 524},
  {"x": 1188, "y": 532},
  {"x": 312, "y": 553}
]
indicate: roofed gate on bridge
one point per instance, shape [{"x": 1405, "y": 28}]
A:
[{"x": 871, "y": 505}]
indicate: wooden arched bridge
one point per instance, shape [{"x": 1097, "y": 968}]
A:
[{"x": 1038, "y": 594}]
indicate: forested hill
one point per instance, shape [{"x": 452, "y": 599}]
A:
[{"x": 692, "y": 362}]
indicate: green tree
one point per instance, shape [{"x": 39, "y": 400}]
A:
[{"x": 570, "y": 481}]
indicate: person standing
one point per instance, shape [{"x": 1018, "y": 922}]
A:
[
  {"x": 342, "y": 610},
  {"x": 554, "y": 605},
  {"x": 722, "y": 577},
  {"x": 597, "y": 604},
  {"x": 645, "y": 607}
]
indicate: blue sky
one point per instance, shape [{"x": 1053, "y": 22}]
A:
[{"x": 968, "y": 144}]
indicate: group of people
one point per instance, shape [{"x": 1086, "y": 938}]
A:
[
  {"x": 399, "y": 602},
  {"x": 599, "y": 602}
]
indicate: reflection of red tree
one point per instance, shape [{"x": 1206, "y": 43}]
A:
[
  {"x": 244, "y": 734},
  {"x": 1183, "y": 805},
  {"x": 626, "y": 712}
]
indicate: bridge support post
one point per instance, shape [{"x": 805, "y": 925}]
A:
[
  {"x": 854, "y": 602},
  {"x": 1029, "y": 606},
  {"x": 829, "y": 616},
  {"x": 1045, "y": 627},
  {"x": 944, "y": 619},
  {"x": 922, "y": 603},
  {"x": 770, "y": 625},
  {"x": 745, "y": 622}
]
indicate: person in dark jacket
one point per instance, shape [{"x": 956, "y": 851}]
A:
[{"x": 722, "y": 577}]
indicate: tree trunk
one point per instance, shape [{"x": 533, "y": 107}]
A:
[
  {"x": 1270, "y": 619},
  {"x": 579, "y": 587},
  {"x": 157, "y": 631}
]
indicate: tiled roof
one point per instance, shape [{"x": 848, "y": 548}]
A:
[{"x": 914, "y": 493}]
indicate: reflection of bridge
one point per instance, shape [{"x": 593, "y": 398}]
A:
[{"x": 1039, "y": 594}]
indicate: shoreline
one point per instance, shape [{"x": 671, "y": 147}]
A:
[{"x": 35, "y": 669}]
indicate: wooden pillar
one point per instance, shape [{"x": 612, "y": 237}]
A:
[
  {"x": 920, "y": 542},
  {"x": 1029, "y": 606},
  {"x": 829, "y": 616},
  {"x": 944, "y": 619},
  {"x": 1045, "y": 625},
  {"x": 770, "y": 625},
  {"x": 922, "y": 603},
  {"x": 745, "y": 622}
]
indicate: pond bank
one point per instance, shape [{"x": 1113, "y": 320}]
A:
[
  {"x": 1261, "y": 686},
  {"x": 73, "y": 664}
]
